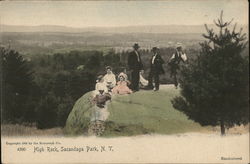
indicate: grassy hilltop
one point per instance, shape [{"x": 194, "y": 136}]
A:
[{"x": 143, "y": 112}]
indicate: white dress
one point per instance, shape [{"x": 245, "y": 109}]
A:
[
  {"x": 143, "y": 81},
  {"x": 101, "y": 114},
  {"x": 100, "y": 86},
  {"x": 110, "y": 80}
]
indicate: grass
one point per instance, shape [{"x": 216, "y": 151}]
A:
[
  {"x": 152, "y": 111},
  {"x": 23, "y": 130},
  {"x": 143, "y": 112},
  {"x": 79, "y": 118}
]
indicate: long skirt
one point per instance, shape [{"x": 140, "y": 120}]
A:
[{"x": 99, "y": 114}]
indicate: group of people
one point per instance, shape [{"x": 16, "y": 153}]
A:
[
  {"x": 108, "y": 84},
  {"x": 135, "y": 66}
]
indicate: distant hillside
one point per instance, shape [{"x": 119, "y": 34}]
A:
[
  {"x": 30, "y": 40},
  {"x": 143, "y": 112},
  {"x": 129, "y": 29},
  {"x": 29, "y": 43}
]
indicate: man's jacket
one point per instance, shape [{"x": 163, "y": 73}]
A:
[
  {"x": 134, "y": 61},
  {"x": 156, "y": 64}
]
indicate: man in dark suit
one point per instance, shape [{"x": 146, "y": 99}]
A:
[
  {"x": 156, "y": 69},
  {"x": 135, "y": 66}
]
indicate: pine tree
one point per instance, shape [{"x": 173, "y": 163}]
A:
[
  {"x": 16, "y": 84},
  {"x": 214, "y": 86}
]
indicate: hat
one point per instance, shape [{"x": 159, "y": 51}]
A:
[
  {"x": 136, "y": 45},
  {"x": 155, "y": 49},
  {"x": 99, "y": 78},
  {"x": 102, "y": 88},
  {"x": 108, "y": 67},
  {"x": 178, "y": 45},
  {"x": 123, "y": 75}
]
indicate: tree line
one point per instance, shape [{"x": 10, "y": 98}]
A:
[{"x": 43, "y": 89}]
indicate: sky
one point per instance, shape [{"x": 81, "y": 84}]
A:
[{"x": 121, "y": 13}]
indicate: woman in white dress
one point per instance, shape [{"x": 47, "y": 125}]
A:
[
  {"x": 100, "y": 84},
  {"x": 109, "y": 78},
  {"x": 143, "y": 82}
]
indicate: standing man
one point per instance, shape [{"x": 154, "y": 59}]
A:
[
  {"x": 178, "y": 57},
  {"x": 135, "y": 66},
  {"x": 156, "y": 69}
]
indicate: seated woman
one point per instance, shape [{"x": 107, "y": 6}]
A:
[
  {"x": 122, "y": 85},
  {"x": 109, "y": 78},
  {"x": 100, "y": 84}
]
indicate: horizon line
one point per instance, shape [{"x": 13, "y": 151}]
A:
[{"x": 115, "y": 26}]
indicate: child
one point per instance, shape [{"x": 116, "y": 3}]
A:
[
  {"x": 122, "y": 85},
  {"x": 101, "y": 113}
]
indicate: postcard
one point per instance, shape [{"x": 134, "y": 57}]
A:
[{"x": 163, "y": 81}]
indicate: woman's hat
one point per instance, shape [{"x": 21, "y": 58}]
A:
[
  {"x": 108, "y": 67},
  {"x": 99, "y": 78},
  {"x": 101, "y": 88},
  {"x": 122, "y": 75}
]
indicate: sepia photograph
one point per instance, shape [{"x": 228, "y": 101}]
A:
[{"x": 137, "y": 81}]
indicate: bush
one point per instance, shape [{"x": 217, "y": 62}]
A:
[
  {"x": 63, "y": 110},
  {"x": 47, "y": 112}
]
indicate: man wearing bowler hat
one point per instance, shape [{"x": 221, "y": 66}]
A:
[
  {"x": 135, "y": 66},
  {"x": 156, "y": 69}
]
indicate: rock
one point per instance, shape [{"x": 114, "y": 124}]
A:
[
  {"x": 79, "y": 118},
  {"x": 143, "y": 112}
]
